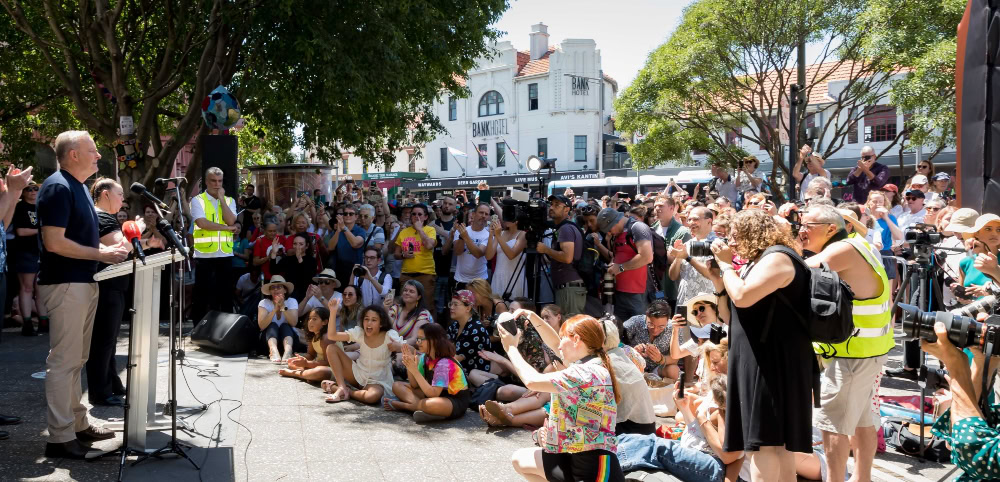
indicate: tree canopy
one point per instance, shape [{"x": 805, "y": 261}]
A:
[
  {"x": 357, "y": 75},
  {"x": 724, "y": 74}
]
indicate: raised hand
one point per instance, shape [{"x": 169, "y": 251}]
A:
[
  {"x": 17, "y": 179},
  {"x": 333, "y": 304}
]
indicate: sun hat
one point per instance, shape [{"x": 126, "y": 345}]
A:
[
  {"x": 277, "y": 280},
  {"x": 852, "y": 217},
  {"x": 327, "y": 274},
  {"x": 691, "y": 319},
  {"x": 962, "y": 221},
  {"x": 981, "y": 223}
]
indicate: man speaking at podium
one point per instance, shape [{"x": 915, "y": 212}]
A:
[{"x": 70, "y": 252}]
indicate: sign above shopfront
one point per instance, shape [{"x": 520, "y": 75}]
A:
[{"x": 509, "y": 180}]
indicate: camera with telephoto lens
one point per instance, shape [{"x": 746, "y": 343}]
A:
[
  {"x": 700, "y": 248},
  {"x": 963, "y": 331},
  {"x": 531, "y": 217},
  {"x": 925, "y": 234},
  {"x": 360, "y": 272}
]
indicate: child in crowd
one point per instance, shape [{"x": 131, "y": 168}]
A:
[
  {"x": 372, "y": 371},
  {"x": 436, "y": 387},
  {"x": 313, "y": 366}
]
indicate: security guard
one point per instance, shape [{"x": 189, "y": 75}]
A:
[
  {"x": 849, "y": 381},
  {"x": 214, "y": 225}
]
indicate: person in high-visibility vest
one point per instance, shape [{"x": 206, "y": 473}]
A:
[
  {"x": 849, "y": 381},
  {"x": 214, "y": 225}
]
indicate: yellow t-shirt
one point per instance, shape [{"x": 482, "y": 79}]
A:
[{"x": 423, "y": 259}]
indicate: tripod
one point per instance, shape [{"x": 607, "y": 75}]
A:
[{"x": 922, "y": 275}]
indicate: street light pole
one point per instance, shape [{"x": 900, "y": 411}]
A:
[{"x": 600, "y": 121}]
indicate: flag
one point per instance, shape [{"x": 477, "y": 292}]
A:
[
  {"x": 512, "y": 151},
  {"x": 456, "y": 152},
  {"x": 482, "y": 153}
]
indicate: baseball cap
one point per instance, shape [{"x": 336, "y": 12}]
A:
[
  {"x": 962, "y": 221},
  {"x": 942, "y": 176},
  {"x": 606, "y": 218},
  {"x": 915, "y": 192},
  {"x": 562, "y": 199},
  {"x": 890, "y": 188},
  {"x": 918, "y": 179}
]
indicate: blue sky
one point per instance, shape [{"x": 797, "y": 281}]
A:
[{"x": 626, "y": 31}]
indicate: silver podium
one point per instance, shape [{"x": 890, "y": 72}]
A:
[{"x": 144, "y": 339}]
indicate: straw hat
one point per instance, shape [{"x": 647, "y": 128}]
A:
[
  {"x": 981, "y": 222},
  {"x": 327, "y": 274},
  {"x": 852, "y": 217},
  {"x": 277, "y": 280},
  {"x": 692, "y": 321}
]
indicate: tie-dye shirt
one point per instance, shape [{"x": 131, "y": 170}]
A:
[
  {"x": 445, "y": 373},
  {"x": 584, "y": 411}
]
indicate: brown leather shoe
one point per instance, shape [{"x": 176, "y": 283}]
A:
[
  {"x": 70, "y": 450},
  {"x": 93, "y": 434}
]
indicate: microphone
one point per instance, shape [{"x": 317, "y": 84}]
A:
[
  {"x": 131, "y": 231},
  {"x": 142, "y": 191},
  {"x": 168, "y": 231},
  {"x": 161, "y": 181}
]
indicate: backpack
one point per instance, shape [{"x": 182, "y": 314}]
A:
[
  {"x": 830, "y": 319},
  {"x": 659, "y": 257},
  {"x": 590, "y": 267}
]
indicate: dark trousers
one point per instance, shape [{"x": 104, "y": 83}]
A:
[
  {"x": 102, "y": 373},
  {"x": 213, "y": 289}
]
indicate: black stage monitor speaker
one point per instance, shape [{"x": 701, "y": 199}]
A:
[
  {"x": 221, "y": 152},
  {"x": 229, "y": 333}
]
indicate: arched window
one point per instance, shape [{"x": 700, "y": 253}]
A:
[{"x": 491, "y": 104}]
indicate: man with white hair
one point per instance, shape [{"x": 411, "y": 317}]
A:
[
  {"x": 852, "y": 367},
  {"x": 71, "y": 250},
  {"x": 214, "y": 224},
  {"x": 374, "y": 234},
  {"x": 818, "y": 187},
  {"x": 868, "y": 175}
]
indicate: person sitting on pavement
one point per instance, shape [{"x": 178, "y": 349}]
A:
[
  {"x": 488, "y": 307},
  {"x": 649, "y": 335},
  {"x": 535, "y": 350},
  {"x": 277, "y": 316},
  {"x": 703, "y": 311},
  {"x": 699, "y": 453},
  {"x": 436, "y": 387},
  {"x": 324, "y": 289},
  {"x": 577, "y": 440},
  {"x": 313, "y": 366},
  {"x": 372, "y": 372},
  {"x": 469, "y": 336}
]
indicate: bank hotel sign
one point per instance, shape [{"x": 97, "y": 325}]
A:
[{"x": 490, "y": 128}]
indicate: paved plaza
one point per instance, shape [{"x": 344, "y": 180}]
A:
[{"x": 287, "y": 433}]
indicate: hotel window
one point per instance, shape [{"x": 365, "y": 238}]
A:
[
  {"x": 501, "y": 154},
  {"x": 444, "y": 158},
  {"x": 532, "y": 96},
  {"x": 880, "y": 123},
  {"x": 452, "y": 109},
  {"x": 543, "y": 148},
  {"x": 852, "y": 129},
  {"x": 491, "y": 104},
  {"x": 483, "y": 164},
  {"x": 580, "y": 148}
]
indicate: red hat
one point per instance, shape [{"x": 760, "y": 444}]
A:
[{"x": 890, "y": 187}]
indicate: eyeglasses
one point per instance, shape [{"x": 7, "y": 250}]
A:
[
  {"x": 816, "y": 224},
  {"x": 932, "y": 209},
  {"x": 326, "y": 282},
  {"x": 456, "y": 304},
  {"x": 420, "y": 338},
  {"x": 371, "y": 257}
]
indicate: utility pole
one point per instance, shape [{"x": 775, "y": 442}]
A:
[{"x": 793, "y": 139}]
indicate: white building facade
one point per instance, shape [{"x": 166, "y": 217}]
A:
[{"x": 546, "y": 101}]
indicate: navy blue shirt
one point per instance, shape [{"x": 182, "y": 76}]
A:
[
  {"x": 345, "y": 252},
  {"x": 65, "y": 202}
]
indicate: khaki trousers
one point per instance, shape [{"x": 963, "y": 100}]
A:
[{"x": 71, "y": 309}]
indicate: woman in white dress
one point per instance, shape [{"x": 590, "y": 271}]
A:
[
  {"x": 372, "y": 371},
  {"x": 507, "y": 244}
]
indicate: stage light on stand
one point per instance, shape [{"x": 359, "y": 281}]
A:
[{"x": 536, "y": 164}]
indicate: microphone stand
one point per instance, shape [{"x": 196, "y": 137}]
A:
[{"x": 176, "y": 315}]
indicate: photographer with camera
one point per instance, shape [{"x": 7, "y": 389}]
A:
[
  {"x": 567, "y": 247},
  {"x": 630, "y": 265},
  {"x": 691, "y": 260},
  {"x": 374, "y": 283},
  {"x": 852, "y": 367},
  {"x": 973, "y": 436},
  {"x": 867, "y": 176}
]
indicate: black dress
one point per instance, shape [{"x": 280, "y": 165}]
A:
[{"x": 770, "y": 383}]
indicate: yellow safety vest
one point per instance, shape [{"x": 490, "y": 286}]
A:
[
  {"x": 209, "y": 242},
  {"x": 872, "y": 317}
]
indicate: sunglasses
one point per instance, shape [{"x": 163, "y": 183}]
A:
[
  {"x": 31, "y": 189},
  {"x": 923, "y": 167},
  {"x": 868, "y": 157},
  {"x": 350, "y": 214},
  {"x": 932, "y": 209},
  {"x": 910, "y": 198},
  {"x": 326, "y": 282},
  {"x": 699, "y": 309}
]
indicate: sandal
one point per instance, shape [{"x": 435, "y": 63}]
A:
[
  {"x": 328, "y": 386},
  {"x": 335, "y": 399},
  {"x": 500, "y": 412},
  {"x": 387, "y": 404},
  {"x": 489, "y": 418}
]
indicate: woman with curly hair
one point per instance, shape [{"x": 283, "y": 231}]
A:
[{"x": 772, "y": 367}]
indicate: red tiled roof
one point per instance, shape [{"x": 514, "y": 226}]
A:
[
  {"x": 459, "y": 79},
  {"x": 533, "y": 67}
]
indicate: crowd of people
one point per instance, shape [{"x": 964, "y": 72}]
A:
[{"x": 429, "y": 310}]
